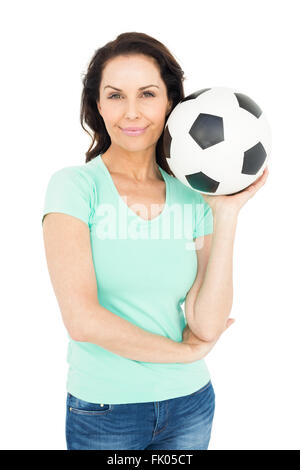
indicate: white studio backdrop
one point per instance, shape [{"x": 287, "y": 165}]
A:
[{"x": 251, "y": 46}]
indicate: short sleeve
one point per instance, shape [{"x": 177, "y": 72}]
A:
[
  {"x": 204, "y": 223},
  {"x": 69, "y": 191}
]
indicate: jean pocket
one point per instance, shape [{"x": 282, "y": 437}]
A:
[{"x": 82, "y": 407}]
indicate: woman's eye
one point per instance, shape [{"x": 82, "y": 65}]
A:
[
  {"x": 144, "y": 93},
  {"x": 149, "y": 93}
]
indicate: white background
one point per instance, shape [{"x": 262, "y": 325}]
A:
[{"x": 252, "y": 46}]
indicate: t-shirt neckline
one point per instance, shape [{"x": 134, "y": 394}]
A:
[{"x": 140, "y": 219}]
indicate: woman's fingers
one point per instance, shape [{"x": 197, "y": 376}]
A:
[
  {"x": 260, "y": 182},
  {"x": 229, "y": 322}
]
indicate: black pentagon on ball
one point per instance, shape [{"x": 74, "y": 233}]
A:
[
  {"x": 167, "y": 139},
  {"x": 248, "y": 104},
  {"x": 194, "y": 95},
  {"x": 207, "y": 130},
  {"x": 202, "y": 182},
  {"x": 254, "y": 159}
]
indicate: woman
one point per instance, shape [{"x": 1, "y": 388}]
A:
[{"x": 137, "y": 378}]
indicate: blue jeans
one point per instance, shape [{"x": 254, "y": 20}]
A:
[{"x": 178, "y": 423}]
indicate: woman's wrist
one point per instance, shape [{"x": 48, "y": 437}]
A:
[
  {"x": 224, "y": 220},
  {"x": 184, "y": 352},
  {"x": 196, "y": 352},
  {"x": 224, "y": 224},
  {"x": 227, "y": 213}
]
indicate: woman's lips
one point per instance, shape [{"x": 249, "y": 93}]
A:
[{"x": 134, "y": 133}]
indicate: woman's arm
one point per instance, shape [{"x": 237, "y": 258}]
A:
[
  {"x": 213, "y": 302},
  {"x": 203, "y": 250},
  {"x": 122, "y": 337},
  {"x": 71, "y": 269}
]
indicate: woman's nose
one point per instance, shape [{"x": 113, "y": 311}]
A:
[{"x": 132, "y": 110}]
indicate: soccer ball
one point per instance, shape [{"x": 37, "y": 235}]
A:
[{"x": 217, "y": 141}]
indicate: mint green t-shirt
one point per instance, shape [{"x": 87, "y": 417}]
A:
[{"x": 144, "y": 270}]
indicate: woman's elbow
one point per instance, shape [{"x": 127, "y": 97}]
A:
[{"x": 210, "y": 332}]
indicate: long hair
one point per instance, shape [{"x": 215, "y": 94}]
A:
[{"x": 126, "y": 44}]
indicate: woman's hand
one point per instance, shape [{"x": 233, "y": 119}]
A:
[
  {"x": 237, "y": 201},
  {"x": 198, "y": 347}
]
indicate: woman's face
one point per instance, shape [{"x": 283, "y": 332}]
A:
[{"x": 133, "y": 107}]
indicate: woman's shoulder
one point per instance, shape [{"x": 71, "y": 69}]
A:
[
  {"x": 83, "y": 175},
  {"x": 71, "y": 189}
]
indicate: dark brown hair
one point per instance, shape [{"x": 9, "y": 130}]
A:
[{"x": 126, "y": 44}]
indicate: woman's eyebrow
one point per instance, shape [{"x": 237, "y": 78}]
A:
[{"x": 141, "y": 88}]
